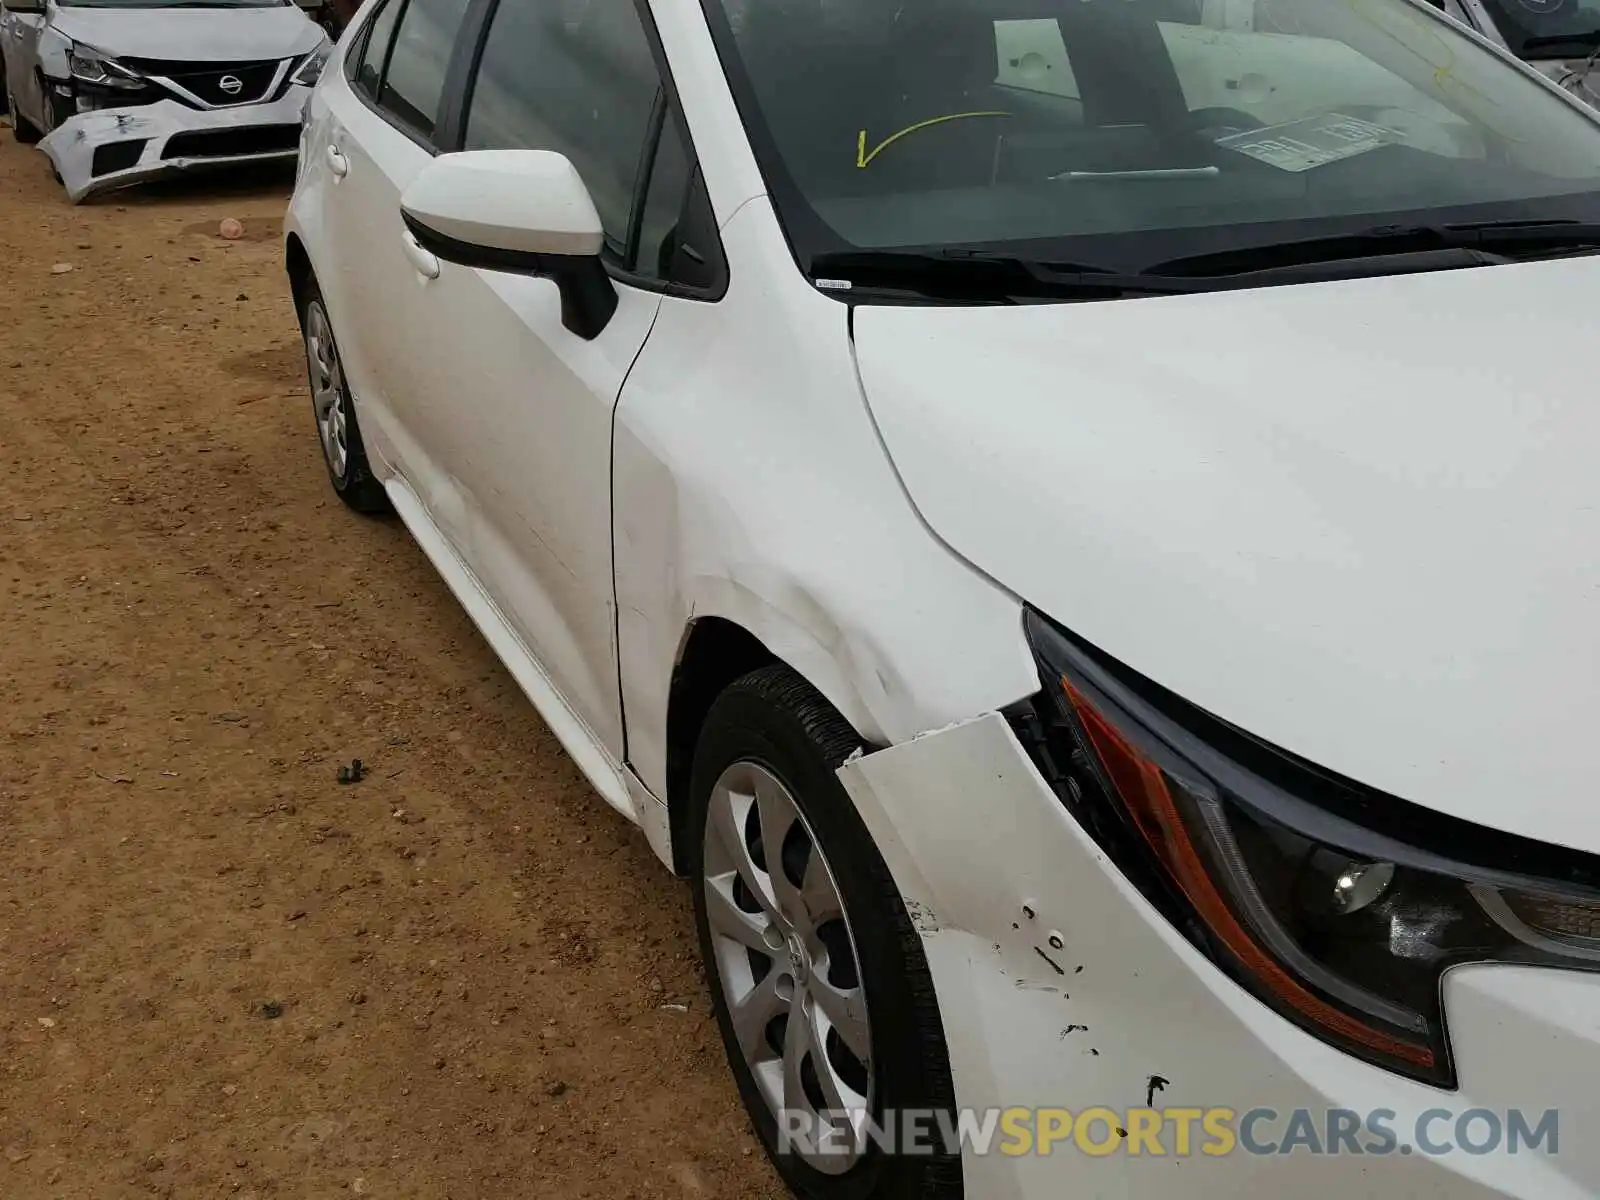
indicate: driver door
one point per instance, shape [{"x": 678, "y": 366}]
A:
[{"x": 532, "y": 448}]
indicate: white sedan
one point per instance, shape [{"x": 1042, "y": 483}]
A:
[{"x": 1072, "y": 522}]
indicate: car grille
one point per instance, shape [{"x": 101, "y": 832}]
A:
[
  {"x": 204, "y": 80},
  {"x": 233, "y": 143}
]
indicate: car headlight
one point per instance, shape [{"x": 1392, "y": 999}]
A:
[
  {"x": 309, "y": 71},
  {"x": 90, "y": 66},
  {"x": 1338, "y": 906}
]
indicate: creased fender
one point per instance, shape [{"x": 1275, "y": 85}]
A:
[
  {"x": 848, "y": 669},
  {"x": 749, "y": 484}
]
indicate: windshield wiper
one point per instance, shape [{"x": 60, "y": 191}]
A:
[
  {"x": 959, "y": 275},
  {"x": 956, "y": 274},
  {"x": 1394, "y": 249}
]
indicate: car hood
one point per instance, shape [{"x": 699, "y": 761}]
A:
[
  {"x": 192, "y": 34},
  {"x": 1359, "y": 519}
]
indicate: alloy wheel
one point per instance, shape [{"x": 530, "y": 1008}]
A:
[
  {"x": 327, "y": 389},
  {"x": 787, "y": 965}
]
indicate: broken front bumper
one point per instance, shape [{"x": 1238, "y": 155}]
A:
[
  {"x": 1061, "y": 988},
  {"x": 111, "y": 148}
]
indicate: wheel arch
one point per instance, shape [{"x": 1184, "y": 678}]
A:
[
  {"x": 297, "y": 262},
  {"x": 715, "y": 652}
]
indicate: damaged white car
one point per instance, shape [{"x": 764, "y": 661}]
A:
[
  {"x": 1065, "y": 519},
  {"x": 117, "y": 92}
]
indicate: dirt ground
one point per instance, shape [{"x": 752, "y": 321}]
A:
[{"x": 221, "y": 972}]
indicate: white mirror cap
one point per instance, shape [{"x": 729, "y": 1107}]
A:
[{"x": 524, "y": 201}]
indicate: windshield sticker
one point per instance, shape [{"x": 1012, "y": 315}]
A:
[
  {"x": 864, "y": 159},
  {"x": 1311, "y": 142}
]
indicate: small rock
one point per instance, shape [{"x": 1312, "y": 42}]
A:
[
  {"x": 298, "y": 914},
  {"x": 62, "y": 269},
  {"x": 231, "y": 718},
  {"x": 438, "y": 1064},
  {"x": 555, "y": 1089},
  {"x": 358, "y": 1186},
  {"x": 47, "y": 1022},
  {"x": 358, "y": 997},
  {"x": 153, "y": 1163},
  {"x": 243, "y": 296},
  {"x": 231, "y": 230},
  {"x": 20, "y": 515},
  {"x": 272, "y": 1010}
]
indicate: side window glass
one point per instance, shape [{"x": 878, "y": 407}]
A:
[
  {"x": 413, "y": 84},
  {"x": 375, "y": 48},
  {"x": 664, "y": 206},
  {"x": 575, "y": 76}
]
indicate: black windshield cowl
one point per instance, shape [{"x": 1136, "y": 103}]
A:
[
  {"x": 955, "y": 276},
  {"x": 1403, "y": 248},
  {"x": 969, "y": 276}
]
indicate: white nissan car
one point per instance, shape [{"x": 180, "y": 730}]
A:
[
  {"x": 1075, "y": 524},
  {"x": 117, "y": 92}
]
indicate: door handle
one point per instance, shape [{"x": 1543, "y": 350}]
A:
[
  {"x": 426, "y": 264},
  {"x": 337, "y": 162}
]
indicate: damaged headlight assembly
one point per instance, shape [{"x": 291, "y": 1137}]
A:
[
  {"x": 90, "y": 66},
  {"x": 309, "y": 72},
  {"x": 1338, "y": 906}
]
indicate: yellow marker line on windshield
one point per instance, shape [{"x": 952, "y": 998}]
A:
[{"x": 863, "y": 159}]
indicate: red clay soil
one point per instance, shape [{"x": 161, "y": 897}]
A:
[{"x": 223, "y": 974}]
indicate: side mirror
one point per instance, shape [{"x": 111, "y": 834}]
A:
[{"x": 521, "y": 211}]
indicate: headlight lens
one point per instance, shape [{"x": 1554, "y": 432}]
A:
[
  {"x": 309, "y": 72},
  {"x": 1337, "y": 906},
  {"x": 88, "y": 65}
]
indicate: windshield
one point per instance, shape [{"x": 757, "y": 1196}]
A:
[
  {"x": 1129, "y": 132},
  {"x": 1547, "y": 28}
]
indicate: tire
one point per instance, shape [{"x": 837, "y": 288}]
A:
[
  {"x": 58, "y": 109},
  {"x": 338, "y": 431},
  {"x": 771, "y": 735}
]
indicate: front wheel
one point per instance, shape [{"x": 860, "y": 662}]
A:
[
  {"x": 821, "y": 989},
  {"x": 58, "y": 109}
]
